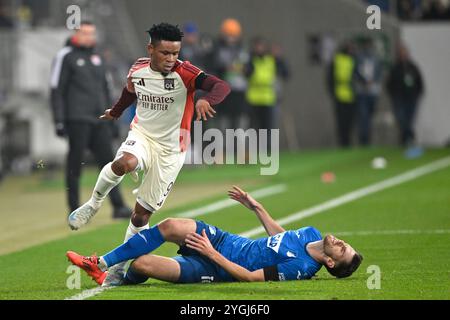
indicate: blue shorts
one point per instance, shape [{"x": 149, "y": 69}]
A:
[{"x": 196, "y": 268}]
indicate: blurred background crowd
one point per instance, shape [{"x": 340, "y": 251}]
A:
[
  {"x": 310, "y": 68},
  {"x": 417, "y": 10}
]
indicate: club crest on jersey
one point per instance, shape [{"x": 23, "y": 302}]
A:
[
  {"x": 96, "y": 60},
  {"x": 169, "y": 84},
  {"x": 81, "y": 62},
  {"x": 275, "y": 242}
]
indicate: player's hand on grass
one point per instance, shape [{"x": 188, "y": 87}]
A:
[
  {"x": 107, "y": 115},
  {"x": 200, "y": 243},
  {"x": 203, "y": 108},
  {"x": 243, "y": 197}
]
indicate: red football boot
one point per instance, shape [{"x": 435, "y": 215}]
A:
[{"x": 88, "y": 264}]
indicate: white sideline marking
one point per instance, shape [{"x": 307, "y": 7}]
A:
[
  {"x": 222, "y": 204},
  {"x": 352, "y": 196},
  {"x": 89, "y": 293},
  {"x": 357, "y": 194}
]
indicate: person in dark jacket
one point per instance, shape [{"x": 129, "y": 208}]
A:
[
  {"x": 405, "y": 87},
  {"x": 368, "y": 77},
  {"x": 79, "y": 94},
  {"x": 228, "y": 62},
  {"x": 340, "y": 83}
]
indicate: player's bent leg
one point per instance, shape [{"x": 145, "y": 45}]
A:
[
  {"x": 148, "y": 240},
  {"x": 141, "y": 216},
  {"x": 152, "y": 266},
  {"x": 138, "y": 223},
  {"x": 110, "y": 176},
  {"x": 126, "y": 163},
  {"x": 176, "y": 229},
  {"x": 142, "y": 243}
]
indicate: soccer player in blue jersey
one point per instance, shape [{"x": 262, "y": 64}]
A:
[{"x": 209, "y": 254}]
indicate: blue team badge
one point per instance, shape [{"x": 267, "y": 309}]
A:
[{"x": 275, "y": 242}]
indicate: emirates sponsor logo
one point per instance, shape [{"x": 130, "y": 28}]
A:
[
  {"x": 155, "y": 99},
  {"x": 152, "y": 102}
]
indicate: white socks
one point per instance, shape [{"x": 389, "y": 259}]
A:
[
  {"x": 132, "y": 230},
  {"x": 106, "y": 181},
  {"x": 102, "y": 264}
]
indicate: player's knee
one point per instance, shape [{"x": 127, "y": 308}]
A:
[
  {"x": 124, "y": 164},
  {"x": 167, "y": 227}
]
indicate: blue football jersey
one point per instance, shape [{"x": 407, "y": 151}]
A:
[{"x": 286, "y": 251}]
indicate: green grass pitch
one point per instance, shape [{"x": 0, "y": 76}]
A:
[{"x": 408, "y": 232}]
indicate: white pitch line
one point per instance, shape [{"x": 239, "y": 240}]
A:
[
  {"x": 222, "y": 204},
  {"x": 407, "y": 176},
  {"x": 357, "y": 194},
  {"x": 89, "y": 293}
]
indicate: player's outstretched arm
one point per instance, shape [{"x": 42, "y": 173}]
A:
[
  {"x": 127, "y": 98},
  {"x": 271, "y": 226},
  {"x": 216, "y": 91},
  {"x": 202, "y": 244}
]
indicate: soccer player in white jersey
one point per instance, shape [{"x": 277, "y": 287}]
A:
[{"x": 164, "y": 88}]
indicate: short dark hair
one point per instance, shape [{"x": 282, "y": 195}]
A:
[
  {"x": 165, "y": 31},
  {"x": 344, "y": 270},
  {"x": 87, "y": 23}
]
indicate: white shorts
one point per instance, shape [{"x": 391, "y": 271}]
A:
[{"x": 160, "y": 168}]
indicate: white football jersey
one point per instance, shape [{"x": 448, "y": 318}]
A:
[{"x": 165, "y": 103}]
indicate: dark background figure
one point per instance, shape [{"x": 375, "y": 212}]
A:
[
  {"x": 340, "y": 83},
  {"x": 405, "y": 87},
  {"x": 79, "y": 94},
  {"x": 436, "y": 10},
  {"x": 197, "y": 49},
  {"x": 6, "y": 21},
  {"x": 408, "y": 9},
  {"x": 228, "y": 63},
  {"x": 283, "y": 76},
  {"x": 263, "y": 71},
  {"x": 368, "y": 88}
]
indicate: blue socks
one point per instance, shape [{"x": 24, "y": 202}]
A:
[{"x": 141, "y": 243}]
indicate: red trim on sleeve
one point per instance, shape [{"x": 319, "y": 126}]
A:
[
  {"x": 188, "y": 72},
  {"x": 139, "y": 64},
  {"x": 186, "y": 121}
]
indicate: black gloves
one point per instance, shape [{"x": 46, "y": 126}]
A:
[{"x": 60, "y": 129}]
